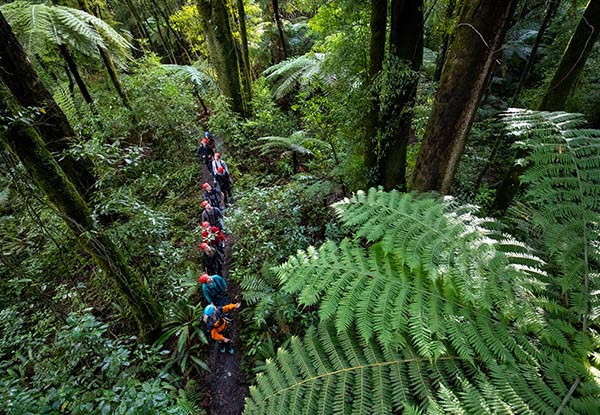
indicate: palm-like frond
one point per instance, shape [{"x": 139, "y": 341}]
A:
[
  {"x": 199, "y": 75},
  {"x": 64, "y": 26},
  {"x": 293, "y": 72},
  {"x": 297, "y": 142}
]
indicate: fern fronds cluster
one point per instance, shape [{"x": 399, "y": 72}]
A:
[
  {"x": 63, "y": 25},
  {"x": 293, "y": 72},
  {"x": 427, "y": 288},
  {"x": 562, "y": 179}
]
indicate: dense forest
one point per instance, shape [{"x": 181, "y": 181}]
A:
[{"x": 413, "y": 224}]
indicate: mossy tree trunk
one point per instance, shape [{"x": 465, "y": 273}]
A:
[
  {"x": 19, "y": 76},
  {"x": 476, "y": 39},
  {"x": 396, "y": 111},
  {"x": 378, "y": 26},
  {"x": 245, "y": 57},
  {"x": 282, "y": 43},
  {"x": 72, "y": 65},
  {"x": 569, "y": 70},
  {"x": 26, "y": 143},
  {"x": 222, "y": 48}
]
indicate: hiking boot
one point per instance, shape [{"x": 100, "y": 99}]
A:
[
  {"x": 231, "y": 351},
  {"x": 222, "y": 349}
]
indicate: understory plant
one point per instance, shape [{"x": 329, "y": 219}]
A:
[{"x": 428, "y": 308}]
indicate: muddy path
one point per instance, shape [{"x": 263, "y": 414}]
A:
[{"x": 226, "y": 383}]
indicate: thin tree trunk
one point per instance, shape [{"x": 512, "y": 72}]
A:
[
  {"x": 573, "y": 61},
  {"x": 26, "y": 143},
  {"x": 478, "y": 36},
  {"x": 279, "y": 29},
  {"x": 245, "y": 64},
  {"x": 376, "y": 55},
  {"x": 180, "y": 42},
  {"x": 20, "y": 78},
  {"x": 552, "y": 8},
  {"x": 406, "y": 54},
  {"x": 64, "y": 52},
  {"x": 450, "y": 8}
]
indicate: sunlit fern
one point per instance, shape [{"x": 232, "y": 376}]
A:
[
  {"x": 199, "y": 74},
  {"x": 297, "y": 142},
  {"x": 428, "y": 289},
  {"x": 295, "y": 72}
]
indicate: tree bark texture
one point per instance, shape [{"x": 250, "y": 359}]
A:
[
  {"x": 449, "y": 13},
  {"x": 246, "y": 72},
  {"x": 222, "y": 48},
  {"x": 19, "y": 76},
  {"x": 27, "y": 145},
  {"x": 378, "y": 28},
  {"x": 569, "y": 70},
  {"x": 477, "y": 37},
  {"x": 406, "y": 57},
  {"x": 64, "y": 52}
]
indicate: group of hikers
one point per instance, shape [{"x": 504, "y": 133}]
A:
[{"x": 216, "y": 198}]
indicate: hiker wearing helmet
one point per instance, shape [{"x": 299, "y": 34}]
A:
[
  {"x": 217, "y": 162},
  {"x": 214, "y": 237},
  {"x": 212, "y": 259},
  {"x": 214, "y": 318},
  {"x": 205, "y": 153},
  {"x": 224, "y": 182},
  {"x": 213, "y": 195},
  {"x": 212, "y": 215},
  {"x": 214, "y": 288}
]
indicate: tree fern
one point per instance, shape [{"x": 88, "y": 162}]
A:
[
  {"x": 79, "y": 30},
  {"x": 297, "y": 142},
  {"x": 432, "y": 310},
  {"x": 199, "y": 74},
  {"x": 293, "y": 72}
]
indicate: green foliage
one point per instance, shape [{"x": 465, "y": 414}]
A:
[
  {"x": 82, "y": 371},
  {"x": 199, "y": 74},
  {"x": 425, "y": 294},
  {"x": 562, "y": 194},
  {"x": 302, "y": 71},
  {"x": 183, "y": 324},
  {"x": 64, "y": 26}
]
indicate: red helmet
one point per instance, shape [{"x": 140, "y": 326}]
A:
[
  {"x": 217, "y": 155},
  {"x": 204, "y": 141},
  {"x": 203, "y": 246},
  {"x": 205, "y": 224},
  {"x": 220, "y": 169},
  {"x": 203, "y": 278},
  {"x": 204, "y": 203},
  {"x": 214, "y": 229},
  {"x": 205, "y": 185}
]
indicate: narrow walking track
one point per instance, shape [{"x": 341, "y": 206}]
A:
[{"x": 226, "y": 383}]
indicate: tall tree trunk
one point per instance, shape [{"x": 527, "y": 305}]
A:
[
  {"x": 178, "y": 40},
  {"x": 138, "y": 20},
  {"x": 64, "y": 52},
  {"x": 580, "y": 46},
  {"x": 477, "y": 37},
  {"x": 245, "y": 57},
  {"x": 406, "y": 57},
  {"x": 277, "y": 18},
  {"x": 27, "y": 145},
  {"x": 108, "y": 62},
  {"x": 550, "y": 12},
  {"x": 378, "y": 27},
  {"x": 19, "y": 76},
  {"x": 222, "y": 51}
]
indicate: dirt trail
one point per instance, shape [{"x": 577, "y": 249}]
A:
[{"x": 226, "y": 383}]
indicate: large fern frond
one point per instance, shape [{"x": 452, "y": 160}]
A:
[
  {"x": 562, "y": 178},
  {"x": 64, "y": 25},
  {"x": 198, "y": 74},
  {"x": 298, "y": 71},
  {"x": 297, "y": 142},
  {"x": 441, "y": 292},
  {"x": 332, "y": 372}
]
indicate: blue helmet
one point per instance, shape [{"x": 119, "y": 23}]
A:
[
  {"x": 206, "y": 134},
  {"x": 209, "y": 310}
]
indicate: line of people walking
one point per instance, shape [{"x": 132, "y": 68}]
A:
[{"x": 216, "y": 198}]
